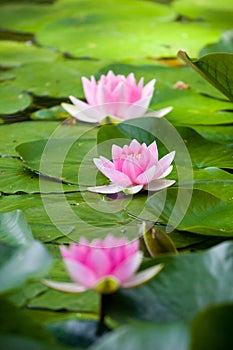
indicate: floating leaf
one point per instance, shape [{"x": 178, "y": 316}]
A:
[
  {"x": 29, "y": 261},
  {"x": 14, "y": 229},
  {"x": 211, "y": 329},
  {"x": 13, "y": 99},
  {"x": 225, "y": 44},
  {"x": 177, "y": 295},
  {"x": 151, "y": 336},
  {"x": 216, "y": 68},
  {"x": 17, "y": 53},
  {"x": 15, "y": 178},
  {"x": 77, "y": 332}
]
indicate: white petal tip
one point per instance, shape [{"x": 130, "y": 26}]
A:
[
  {"x": 108, "y": 189},
  {"x": 143, "y": 276},
  {"x": 64, "y": 286}
]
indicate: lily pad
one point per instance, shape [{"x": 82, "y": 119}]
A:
[
  {"x": 215, "y": 133},
  {"x": 17, "y": 133},
  {"x": 175, "y": 295},
  {"x": 211, "y": 328},
  {"x": 151, "y": 336},
  {"x": 16, "y": 53},
  {"x": 225, "y": 44},
  {"x": 15, "y": 178},
  {"x": 206, "y": 214},
  {"x": 156, "y": 21},
  {"x": 59, "y": 79},
  {"x": 13, "y": 99},
  {"x": 210, "y": 13},
  {"x": 216, "y": 68},
  {"x": 29, "y": 261}
]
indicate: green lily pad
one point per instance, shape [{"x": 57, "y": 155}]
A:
[
  {"x": 77, "y": 332},
  {"x": 16, "y": 53},
  {"x": 25, "y": 17},
  {"x": 59, "y": 79},
  {"x": 15, "y": 178},
  {"x": 67, "y": 159},
  {"x": 24, "y": 343},
  {"x": 16, "y": 323},
  {"x": 225, "y": 44},
  {"x": 140, "y": 40},
  {"x": 151, "y": 336},
  {"x": 206, "y": 214},
  {"x": 211, "y": 329},
  {"x": 216, "y": 68},
  {"x": 36, "y": 215},
  {"x": 29, "y": 261},
  {"x": 175, "y": 294},
  {"x": 13, "y": 99},
  {"x": 14, "y": 229},
  {"x": 53, "y": 113},
  {"x": 166, "y": 79},
  {"x": 209, "y": 13},
  {"x": 214, "y": 181},
  {"x": 55, "y": 300},
  {"x": 215, "y": 133}
]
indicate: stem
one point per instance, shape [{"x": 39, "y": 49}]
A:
[{"x": 102, "y": 315}]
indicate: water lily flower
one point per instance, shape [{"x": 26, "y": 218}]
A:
[
  {"x": 103, "y": 265},
  {"x": 133, "y": 168},
  {"x": 114, "y": 96}
]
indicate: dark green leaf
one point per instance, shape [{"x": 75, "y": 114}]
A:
[
  {"x": 77, "y": 333},
  {"x": 212, "y": 329},
  {"x": 14, "y": 229},
  {"x": 225, "y": 44},
  {"x": 186, "y": 285},
  {"x": 216, "y": 68},
  {"x": 149, "y": 336}
]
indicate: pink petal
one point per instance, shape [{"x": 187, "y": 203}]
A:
[
  {"x": 157, "y": 185},
  {"x": 131, "y": 167},
  {"x": 64, "y": 286},
  {"x": 116, "y": 152},
  {"x": 128, "y": 267},
  {"x": 108, "y": 189},
  {"x": 120, "y": 94},
  {"x": 147, "y": 176},
  {"x": 98, "y": 261},
  {"x": 76, "y": 252},
  {"x": 111, "y": 241},
  {"x": 117, "y": 177},
  {"x": 153, "y": 151},
  {"x": 137, "y": 109},
  {"x": 80, "y": 273},
  {"x": 134, "y": 146},
  {"x": 142, "y": 277},
  {"x": 89, "y": 90},
  {"x": 166, "y": 172},
  {"x": 165, "y": 162},
  {"x": 131, "y": 79},
  {"x": 148, "y": 89},
  {"x": 103, "y": 162}
]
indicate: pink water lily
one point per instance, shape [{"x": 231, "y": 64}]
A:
[
  {"x": 103, "y": 265},
  {"x": 114, "y": 96},
  {"x": 133, "y": 168}
]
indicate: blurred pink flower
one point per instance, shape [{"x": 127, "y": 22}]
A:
[
  {"x": 114, "y": 96},
  {"x": 103, "y": 265},
  {"x": 133, "y": 168}
]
